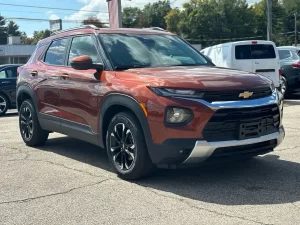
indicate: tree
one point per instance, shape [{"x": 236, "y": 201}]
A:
[
  {"x": 13, "y": 29},
  {"x": 154, "y": 14},
  {"x": 3, "y": 34},
  {"x": 131, "y": 17},
  {"x": 173, "y": 20},
  {"x": 94, "y": 21}
]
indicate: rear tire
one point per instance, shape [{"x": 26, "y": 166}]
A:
[
  {"x": 30, "y": 129},
  {"x": 4, "y": 103},
  {"x": 126, "y": 147},
  {"x": 283, "y": 86}
]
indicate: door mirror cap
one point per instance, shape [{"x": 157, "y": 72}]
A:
[{"x": 85, "y": 62}]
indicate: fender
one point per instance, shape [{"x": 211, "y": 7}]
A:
[
  {"x": 24, "y": 89},
  {"x": 130, "y": 103}
]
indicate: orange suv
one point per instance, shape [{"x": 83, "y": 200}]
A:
[{"x": 148, "y": 97}]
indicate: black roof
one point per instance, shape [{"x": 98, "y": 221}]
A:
[{"x": 9, "y": 65}]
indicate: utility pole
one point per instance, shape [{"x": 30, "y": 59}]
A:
[
  {"x": 269, "y": 8},
  {"x": 296, "y": 32}
]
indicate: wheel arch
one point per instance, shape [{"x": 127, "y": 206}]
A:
[
  {"x": 115, "y": 103},
  {"x": 23, "y": 93}
]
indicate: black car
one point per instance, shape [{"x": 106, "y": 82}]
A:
[
  {"x": 8, "y": 78},
  {"x": 290, "y": 67}
]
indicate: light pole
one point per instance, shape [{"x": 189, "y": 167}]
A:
[
  {"x": 296, "y": 33},
  {"x": 115, "y": 13}
]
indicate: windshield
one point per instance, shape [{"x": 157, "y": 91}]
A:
[{"x": 149, "y": 50}]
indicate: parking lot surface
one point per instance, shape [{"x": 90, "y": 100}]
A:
[{"x": 70, "y": 182}]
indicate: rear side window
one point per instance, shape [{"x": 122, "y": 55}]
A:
[
  {"x": 56, "y": 52},
  {"x": 258, "y": 51}
]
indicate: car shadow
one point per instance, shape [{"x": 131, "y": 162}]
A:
[
  {"x": 10, "y": 114},
  {"x": 262, "y": 180}
]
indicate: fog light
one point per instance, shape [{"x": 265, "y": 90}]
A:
[{"x": 176, "y": 115}]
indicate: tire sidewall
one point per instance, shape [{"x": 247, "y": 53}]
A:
[
  {"x": 7, "y": 102},
  {"x": 28, "y": 104},
  {"x": 130, "y": 123}
]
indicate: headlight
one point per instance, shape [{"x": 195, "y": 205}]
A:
[
  {"x": 172, "y": 92},
  {"x": 176, "y": 115}
]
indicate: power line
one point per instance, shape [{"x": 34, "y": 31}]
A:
[
  {"x": 43, "y": 7},
  {"x": 46, "y": 20}
]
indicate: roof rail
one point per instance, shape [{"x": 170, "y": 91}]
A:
[
  {"x": 91, "y": 26},
  {"x": 154, "y": 28}
]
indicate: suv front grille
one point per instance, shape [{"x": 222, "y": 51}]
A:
[
  {"x": 218, "y": 96},
  {"x": 242, "y": 123}
]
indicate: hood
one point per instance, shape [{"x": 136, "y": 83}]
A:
[{"x": 198, "y": 77}]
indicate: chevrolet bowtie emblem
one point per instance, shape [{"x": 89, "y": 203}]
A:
[{"x": 246, "y": 94}]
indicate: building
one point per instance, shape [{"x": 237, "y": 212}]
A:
[{"x": 14, "y": 52}]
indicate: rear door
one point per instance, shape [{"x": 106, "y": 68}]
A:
[
  {"x": 258, "y": 57},
  {"x": 266, "y": 61},
  {"x": 242, "y": 59}
]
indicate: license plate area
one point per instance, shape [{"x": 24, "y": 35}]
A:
[{"x": 250, "y": 130}]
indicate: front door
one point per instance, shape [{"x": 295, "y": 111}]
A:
[{"x": 78, "y": 92}]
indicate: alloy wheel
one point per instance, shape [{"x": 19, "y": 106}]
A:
[
  {"x": 26, "y": 123},
  {"x": 3, "y": 104},
  {"x": 122, "y": 147}
]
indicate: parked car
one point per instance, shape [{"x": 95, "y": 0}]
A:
[
  {"x": 148, "y": 97},
  {"x": 290, "y": 67},
  {"x": 8, "y": 77},
  {"x": 252, "y": 56}
]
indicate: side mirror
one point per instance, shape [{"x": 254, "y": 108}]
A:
[{"x": 85, "y": 62}]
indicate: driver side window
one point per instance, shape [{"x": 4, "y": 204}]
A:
[{"x": 83, "y": 45}]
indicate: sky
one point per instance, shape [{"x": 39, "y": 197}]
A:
[{"x": 78, "y": 11}]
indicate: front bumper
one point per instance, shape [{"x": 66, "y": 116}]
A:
[{"x": 203, "y": 149}]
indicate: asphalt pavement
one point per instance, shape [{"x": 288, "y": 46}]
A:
[{"x": 70, "y": 182}]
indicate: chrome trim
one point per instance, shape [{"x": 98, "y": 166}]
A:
[
  {"x": 204, "y": 149},
  {"x": 272, "y": 99}
]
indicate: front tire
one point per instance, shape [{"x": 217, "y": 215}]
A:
[
  {"x": 30, "y": 129},
  {"x": 3, "y": 104},
  {"x": 126, "y": 147}
]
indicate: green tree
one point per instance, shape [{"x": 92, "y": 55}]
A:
[
  {"x": 12, "y": 29},
  {"x": 154, "y": 14},
  {"x": 173, "y": 20},
  {"x": 131, "y": 17},
  {"x": 93, "y": 20},
  {"x": 3, "y": 34}
]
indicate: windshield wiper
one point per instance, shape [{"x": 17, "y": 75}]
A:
[{"x": 127, "y": 67}]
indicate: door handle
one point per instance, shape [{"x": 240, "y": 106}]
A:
[
  {"x": 5, "y": 82},
  {"x": 34, "y": 73},
  {"x": 65, "y": 76}
]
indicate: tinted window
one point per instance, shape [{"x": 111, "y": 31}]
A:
[
  {"x": 288, "y": 54},
  {"x": 11, "y": 72},
  {"x": 149, "y": 50},
  {"x": 8, "y": 73},
  {"x": 258, "y": 51},
  {"x": 2, "y": 74},
  {"x": 55, "y": 53},
  {"x": 83, "y": 46},
  {"x": 243, "y": 52}
]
